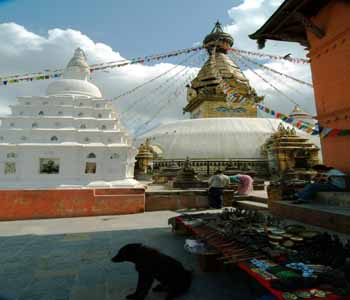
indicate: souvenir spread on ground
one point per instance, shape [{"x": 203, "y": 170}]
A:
[{"x": 291, "y": 261}]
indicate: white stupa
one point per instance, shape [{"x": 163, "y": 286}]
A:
[{"x": 70, "y": 137}]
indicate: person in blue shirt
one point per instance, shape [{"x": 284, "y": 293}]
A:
[{"x": 327, "y": 179}]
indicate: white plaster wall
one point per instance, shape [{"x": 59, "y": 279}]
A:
[{"x": 72, "y": 164}]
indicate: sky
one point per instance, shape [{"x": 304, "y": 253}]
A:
[{"x": 37, "y": 35}]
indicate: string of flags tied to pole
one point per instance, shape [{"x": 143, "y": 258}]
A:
[
  {"x": 313, "y": 129},
  {"x": 275, "y": 71},
  {"x": 57, "y": 73},
  {"x": 271, "y": 56},
  {"x": 322, "y": 131}
]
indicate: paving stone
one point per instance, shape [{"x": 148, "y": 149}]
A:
[{"x": 77, "y": 266}]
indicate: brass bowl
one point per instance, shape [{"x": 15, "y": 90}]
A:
[
  {"x": 308, "y": 234},
  {"x": 295, "y": 229},
  {"x": 287, "y": 235},
  {"x": 288, "y": 244},
  {"x": 275, "y": 238},
  {"x": 296, "y": 239},
  {"x": 278, "y": 232}
]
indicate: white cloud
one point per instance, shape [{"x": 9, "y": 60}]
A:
[
  {"x": 22, "y": 51},
  {"x": 247, "y": 17}
]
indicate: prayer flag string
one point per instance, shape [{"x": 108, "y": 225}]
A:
[
  {"x": 271, "y": 56},
  {"x": 57, "y": 73}
]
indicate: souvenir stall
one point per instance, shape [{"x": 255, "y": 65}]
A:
[{"x": 289, "y": 260}]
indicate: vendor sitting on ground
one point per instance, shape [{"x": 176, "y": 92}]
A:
[
  {"x": 327, "y": 179},
  {"x": 245, "y": 183},
  {"x": 217, "y": 183}
]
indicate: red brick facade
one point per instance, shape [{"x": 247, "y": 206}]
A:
[
  {"x": 330, "y": 64},
  {"x": 59, "y": 203}
]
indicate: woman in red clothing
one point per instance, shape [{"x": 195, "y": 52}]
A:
[{"x": 245, "y": 183}]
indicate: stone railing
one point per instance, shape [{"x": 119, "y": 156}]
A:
[{"x": 206, "y": 168}]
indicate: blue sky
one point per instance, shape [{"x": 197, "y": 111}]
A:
[
  {"x": 40, "y": 34},
  {"x": 133, "y": 27}
]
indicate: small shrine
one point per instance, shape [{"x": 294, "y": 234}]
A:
[
  {"x": 287, "y": 150},
  {"x": 167, "y": 173},
  {"x": 187, "y": 177},
  {"x": 144, "y": 160}
]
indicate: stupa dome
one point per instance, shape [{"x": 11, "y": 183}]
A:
[
  {"x": 75, "y": 79},
  {"x": 73, "y": 86},
  {"x": 215, "y": 138},
  {"x": 212, "y": 138}
]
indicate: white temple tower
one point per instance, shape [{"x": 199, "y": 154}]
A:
[{"x": 71, "y": 137}]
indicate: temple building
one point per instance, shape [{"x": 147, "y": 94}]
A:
[
  {"x": 286, "y": 150},
  {"x": 218, "y": 133},
  {"x": 205, "y": 97},
  {"x": 322, "y": 27},
  {"x": 71, "y": 137}
]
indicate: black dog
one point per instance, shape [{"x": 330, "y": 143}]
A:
[{"x": 151, "y": 264}]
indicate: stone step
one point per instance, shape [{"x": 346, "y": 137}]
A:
[
  {"x": 331, "y": 217},
  {"x": 250, "y": 198},
  {"x": 341, "y": 199},
  {"x": 245, "y": 204}
]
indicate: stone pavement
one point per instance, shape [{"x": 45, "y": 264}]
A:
[{"x": 63, "y": 259}]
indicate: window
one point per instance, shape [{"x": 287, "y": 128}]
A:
[
  {"x": 54, "y": 138},
  {"x": 27, "y": 103},
  {"x": 103, "y": 127},
  {"x": 41, "y": 113},
  {"x": 45, "y": 102},
  {"x": 99, "y": 116},
  {"x": 49, "y": 166},
  {"x": 91, "y": 155},
  {"x": 60, "y": 113},
  {"x": 10, "y": 168},
  {"x": 115, "y": 156},
  {"x": 34, "y": 125},
  {"x": 21, "y": 113},
  {"x": 98, "y": 105},
  {"x": 1, "y": 138},
  {"x": 109, "y": 140},
  {"x": 57, "y": 124},
  {"x": 82, "y": 126},
  {"x": 11, "y": 155},
  {"x": 81, "y": 104},
  {"x": 80, "y": 114},
  {"x": 12, "y": 124},
  {"x": 23, "y": 138},
  {"x": 86, "y": 140},
  {"x": 90, "y": 168}
]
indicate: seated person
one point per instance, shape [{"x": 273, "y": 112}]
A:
[
  {"x": 245, "y": 183},
  {"x": 327, "y": 179}
]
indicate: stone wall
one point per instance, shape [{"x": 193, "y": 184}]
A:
[
  {"x": 182, "y": 199},
  {"x": 60, "y": 203}
]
